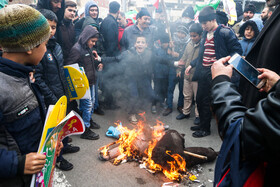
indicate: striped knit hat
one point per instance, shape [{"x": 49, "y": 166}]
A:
[{"x": 22, "y": 28}]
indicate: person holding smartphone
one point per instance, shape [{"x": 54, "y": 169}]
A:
[{"x": 259, "y": 132}]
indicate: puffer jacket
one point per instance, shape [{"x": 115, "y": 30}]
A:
[
  {"x": 22, "y": 117},
  {"x": 81, "y": 54},
  {"x": 259, "y": 132},
  {"x": 226, "y": 43},
  {"x": 49, "y": 74}
]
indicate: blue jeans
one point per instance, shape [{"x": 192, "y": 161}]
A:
[
  {"x": 172, "y": 81},
  {"x": 86, "y": 106}
]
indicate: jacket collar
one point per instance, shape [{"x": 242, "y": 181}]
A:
[{"x": 14, "y": 69}]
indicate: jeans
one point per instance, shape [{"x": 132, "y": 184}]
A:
[
  {"x": 172, "y": 81},
  {"x": 86, "y": 106},
  {"x": 160, "y": 87}
]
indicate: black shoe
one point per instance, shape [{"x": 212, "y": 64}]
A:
[
  {"x": 69, "y": 140},
  {"x": 89, "y": 135},
  {"x": 195, "y": 128},
  {"x": 94, "y": 125},
  {"x": 182, "y": 116},
  {"x": 64, "y": 165},
  {"x": 200, "y": 134},
  {"x": 70, "y": 149},
  {"x": 180, "y": 109},
  {"x": 167, "y": 111},
  {"x": 98, "y": 111},
  {"x": 196, "y": 121}
]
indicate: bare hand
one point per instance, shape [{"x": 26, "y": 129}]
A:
[
  {"x": 175, "y": 54},
  {"x": 34, "y": 163},
  {"x": 96, "y": 56},
  {"x": 219, "y": 68},
  {"x": 271, "y": 78},
  {"x": 60, "y": 147},
  {"x": 100, "y": 67},
  {"x": 181, "y": 63},
  {"x": 178, "y": 74},
  {"x": 31, "y": 77},
  {"x": 188, "y": 70}
]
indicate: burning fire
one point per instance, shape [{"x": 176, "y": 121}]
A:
[{"x": 128, "y": 147}]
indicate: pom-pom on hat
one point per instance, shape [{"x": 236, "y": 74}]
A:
[
  {"x": 208, "y": 13},
  {"x": 22, "y": 28}
]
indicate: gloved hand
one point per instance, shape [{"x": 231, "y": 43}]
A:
[{"x": 113, "y": 132}]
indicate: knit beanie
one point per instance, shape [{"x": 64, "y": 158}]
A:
[
  {"x": 143, "y": 12},
  {"x": 114, "y": 7},
  {"x": 22, "y": 28},
  {"x": 250, "y": 7},
  {"x": 188, "y": 12},
  {"x": 207, "y": 14}
]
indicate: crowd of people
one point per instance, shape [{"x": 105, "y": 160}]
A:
[{"x": 143, "y": 62}]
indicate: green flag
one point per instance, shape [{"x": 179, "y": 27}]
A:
[{"x": 212, "y": 3}]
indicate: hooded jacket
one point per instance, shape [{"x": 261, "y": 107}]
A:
[
  {"x": 81, "y": 54},
  {"x": 87, "y": 20},
  {"x": 22, "y": 116},
  {"x": 46, "y": 4},
  {"x": 246, "y": 44}
]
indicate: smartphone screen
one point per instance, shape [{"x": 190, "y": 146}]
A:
[{"x": 246, "y": 70}]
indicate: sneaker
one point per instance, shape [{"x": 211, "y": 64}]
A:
[
  {"x": 70, "y": 149},
  {"x": 182, "y": 116},
  {"x": 64, "y": 165},
  {"x": 180, "y": 109},
  {"x": 94, "y": 125},
  {"x": 196, "y": 121},
  {"x": 133, "y": 119},
  {"x": 99, "y": 111},
  {"x": 154, "y": 109},
  {"x": 195, "y": 128},
  {"x": 167, "y": 111},
  {"x": 200, "y": 134},
  {"x": 89, "y": 135}
]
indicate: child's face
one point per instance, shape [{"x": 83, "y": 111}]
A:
[
  {"x": 195, "y": 37},
  {"x": 208, "y": 25},
  {"x": 140, "y": 44},
  {"x": 52, "y": 28},
  {"x": 37, "y": 53},
  {"x": 70, "y": 12},
  {"x": 249, "y": 32},
  {"x": 164, "y": 45},
  {"x": 91, "y": 42},
  {"x": 93, "y": 12}
]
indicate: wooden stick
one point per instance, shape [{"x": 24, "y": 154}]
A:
[
  {"x": 107, "y": 145},
  {"x": 196, "y": 155}
]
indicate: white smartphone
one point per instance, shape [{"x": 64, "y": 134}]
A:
[{"x": 246, "y": 70}]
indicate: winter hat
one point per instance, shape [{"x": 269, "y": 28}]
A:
[
  {"x": 256, "y": 24},
  {"x": 250, "y": 7},
  {"x": 221, "y": 17},
  {"x": 114, "y": 7},
  {"x": 183, "y": 29},
  {"x": 207, "y": 14},
  {"x": 188, "y": 12},
  {"x": 22, "y": 28},
  {"x": 143, "y": 12}
]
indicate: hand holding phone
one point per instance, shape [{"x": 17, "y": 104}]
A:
[{"x": 246, "y": 70}]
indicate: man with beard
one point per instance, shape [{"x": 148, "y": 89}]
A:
[
  {"x": 263, "y": 54},
  {"x": 248, "y": 13},
  {"x": 266, "y": 13}
]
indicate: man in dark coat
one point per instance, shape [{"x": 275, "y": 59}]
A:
[
  {"x": 264, "y": 54},
  {"x": 109, "y": 29}
]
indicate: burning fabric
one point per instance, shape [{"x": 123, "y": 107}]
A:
[{"x": 156, "y": 150}]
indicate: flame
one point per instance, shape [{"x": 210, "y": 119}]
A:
[{"x": 127, "y": 149}]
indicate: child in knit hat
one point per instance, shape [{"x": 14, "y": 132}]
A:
[{"x": 24, "y": 33}]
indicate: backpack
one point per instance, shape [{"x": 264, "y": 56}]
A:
[{"x": 236, "y": 173}]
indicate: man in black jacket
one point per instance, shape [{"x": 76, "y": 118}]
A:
[
  {"x": 259, "y": 131},
  {"x": 110, "y": 31}
]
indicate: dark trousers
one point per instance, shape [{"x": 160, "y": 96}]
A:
[
  {"x": 172, "y": 81},
  {"x": 140, "y": 91},
  {"x": 204, "y": 98},
  {"x": 160, "y": 87}
]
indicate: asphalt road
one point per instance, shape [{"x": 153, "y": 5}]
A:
[{"x": 90, "y": 171}]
